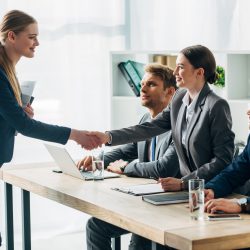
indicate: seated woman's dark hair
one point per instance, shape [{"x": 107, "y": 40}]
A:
[{"x": 201, "y": 57}]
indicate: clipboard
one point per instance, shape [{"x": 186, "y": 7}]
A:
[{"x": 142, "y": 189}]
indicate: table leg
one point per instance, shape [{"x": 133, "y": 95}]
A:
[
  {"x": 26, "y": 220},
  {"x": 9, "y": 216},
  {"x": 116, "y": 243},
  {"x": 156, "y": 246}
]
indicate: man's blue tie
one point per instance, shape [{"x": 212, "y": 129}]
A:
[{"x": 153, "y": 146}]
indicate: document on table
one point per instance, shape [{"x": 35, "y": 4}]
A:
[{"x": 150, "y": 188}]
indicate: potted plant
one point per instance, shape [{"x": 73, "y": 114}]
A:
[
  {"x": 220, "y": 82},
  {"x": 218, "y": 86}
]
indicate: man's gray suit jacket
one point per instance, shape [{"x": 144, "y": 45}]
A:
[
  {"x": 166, "y": 163},
  {"x": 209, "y": 138}
]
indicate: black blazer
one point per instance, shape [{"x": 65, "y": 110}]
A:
[
  {"x": 210, "y": 140},
  {"x": 235, "y": 175},
  {"x": 166, "y": 163},
  {"x": 13, "y": 118}
]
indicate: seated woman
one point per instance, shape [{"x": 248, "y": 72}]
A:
[{"x": 201, "y": 128}]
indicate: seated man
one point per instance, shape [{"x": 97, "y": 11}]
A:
[
  {"x": 158, "y": 87},
  {"x": 235, "y": 175}
]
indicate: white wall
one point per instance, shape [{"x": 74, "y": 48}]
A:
[{"x": 167, "y": 24}]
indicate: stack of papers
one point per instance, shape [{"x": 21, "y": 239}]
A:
[
  {"x": 27, "y": 88},
  {"x": 150, "y": 188}
]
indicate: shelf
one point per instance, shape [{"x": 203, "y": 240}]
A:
[
  {"x": 119, "y": 85},
  {"x": 238, "y": 76}
]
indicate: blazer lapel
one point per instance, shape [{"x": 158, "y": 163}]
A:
[
  {"x": 197, "y": 111},
  {"x": 193, "y": 121},
  {"x": 160, "y": 139},
  {"x": 178, "y": 129},
  {"x": 143, "y": 151}
]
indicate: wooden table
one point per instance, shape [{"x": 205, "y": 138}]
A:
[{"x": 168, "y": 225}]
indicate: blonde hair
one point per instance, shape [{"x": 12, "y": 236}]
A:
[{"x": 15, "y": 21}]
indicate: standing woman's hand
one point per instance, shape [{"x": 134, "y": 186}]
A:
[
  {"x": 29, "y": 111},
  {"x": 103, "y": 137},
  {"x": 85, "y": 139}
]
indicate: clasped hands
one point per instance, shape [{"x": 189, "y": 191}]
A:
[{"x": 89, "y": 140}]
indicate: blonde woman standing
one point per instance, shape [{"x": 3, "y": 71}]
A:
[{"x": 18, "y": 38}]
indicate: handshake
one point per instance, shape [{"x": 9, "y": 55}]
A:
[{"x": 89, "y": 139}]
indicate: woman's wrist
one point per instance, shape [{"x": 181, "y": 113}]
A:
[
  {"x": 72, "y": 135},
  {"x": 108, "y": 138}
]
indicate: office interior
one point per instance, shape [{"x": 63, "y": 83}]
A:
[{"x": 74, "y": 77}]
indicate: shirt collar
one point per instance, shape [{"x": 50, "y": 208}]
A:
[{"x": 190, "y": 106}]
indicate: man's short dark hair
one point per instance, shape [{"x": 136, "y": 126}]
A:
[{"x": 162, "y": 71}]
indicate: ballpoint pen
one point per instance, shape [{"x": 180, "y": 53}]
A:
[{"x": 156, "y": 179}]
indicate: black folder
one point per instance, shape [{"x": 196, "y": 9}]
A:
[{"x": 166, "y": 198}]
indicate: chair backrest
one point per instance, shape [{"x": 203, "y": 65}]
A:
[
  {"x": 245, "y": 188},
  {"x": 238, "y": 148}
]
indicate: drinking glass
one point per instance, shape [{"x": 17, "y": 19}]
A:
[
  {"x": 196, "y": 198},
  {"x": 98, "y": 164}
]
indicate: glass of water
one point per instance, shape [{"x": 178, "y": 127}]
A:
[
  {"x": 196, "y": 198},
  {"x": 98, "y": 164}
]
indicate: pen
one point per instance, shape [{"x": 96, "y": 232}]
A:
[{"x": 156, "y": 179}]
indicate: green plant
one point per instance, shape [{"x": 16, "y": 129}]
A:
[{"x": 220, "y": 82}]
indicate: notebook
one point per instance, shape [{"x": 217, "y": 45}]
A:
[
  {"x": 166, "y": 198},
  {"x": 68, "y": 166}
]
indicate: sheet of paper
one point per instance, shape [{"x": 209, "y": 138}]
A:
[
  {"x": 27, "y": 88},
  {"x": 150, "y": 188}
]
